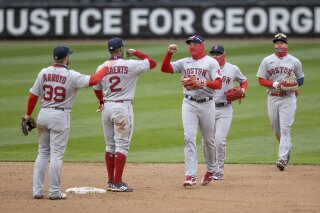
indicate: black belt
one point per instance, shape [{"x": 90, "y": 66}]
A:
[
  {"x": 201, "y": 100},
  {"x": 56, "y": 108},
  {"x": 221, "y": 104}
]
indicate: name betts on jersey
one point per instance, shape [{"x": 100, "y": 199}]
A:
[{"x": 118, "y": 70}]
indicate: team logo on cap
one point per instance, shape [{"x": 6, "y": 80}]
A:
[
  {"x": 195, "y": 38},
  {"x": 280, "y": 35}
]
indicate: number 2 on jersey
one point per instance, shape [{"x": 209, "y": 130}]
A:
[
  {"x": 114, "y": 81},
  {"x": 58, "y": 93}
]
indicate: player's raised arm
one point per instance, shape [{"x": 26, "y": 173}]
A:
[
  {"x": 166, "y": 66},
  {"x": 142, "y": 56}
]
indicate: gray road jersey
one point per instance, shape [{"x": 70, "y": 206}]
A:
[
  {"x": 230, "y": 73},
  {"x": 57, "y": 86},
  {"x": 206, "y": 67},
  {"x": 277, "y": 69},
  {"x": 120, "y": 82}
]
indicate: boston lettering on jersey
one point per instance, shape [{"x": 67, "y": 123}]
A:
[
  {"x": 277, "y": 70},
  {"x": 226, "y": 79},
  {"x": 54, "y": 78},
  {"x": 118, "y": 70},
  {"x": 196, "y": 71}
]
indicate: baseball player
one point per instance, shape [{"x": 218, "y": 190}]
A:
[
  {"x": 198, "y": 107},
  {"x": 224, "y": 112},
  {"x": 282, "y": 104},
  {"x": 115, "y": 93},
  {"x": 57, "y": 87}
]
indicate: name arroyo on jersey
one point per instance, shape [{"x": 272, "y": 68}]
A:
[
  {"x": 55, "y": 78},
  {"x": 278, "y": 70}
]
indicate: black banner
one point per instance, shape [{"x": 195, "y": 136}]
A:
[{"x": 158, "y": 22}]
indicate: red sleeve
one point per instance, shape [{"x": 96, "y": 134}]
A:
[
  {"x": 266, "y": 83},
  {"x": 216, "y": 84},
  {"x": 143, "y": 56},
  {"x": 98, "y": 76},
  {"x": 32, "y": 102},
  {"x": 244, "y": 84},
  {"x": 99, "y": 94},
  {"x": 166, "y": 66}
]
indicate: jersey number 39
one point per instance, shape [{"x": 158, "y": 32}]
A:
[{"x": 58, "y": 94}]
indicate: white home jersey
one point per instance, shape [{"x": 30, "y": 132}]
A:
[{"x": 57, "y": 86}]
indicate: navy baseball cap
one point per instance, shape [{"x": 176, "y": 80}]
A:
[
  {"x": 217, "y": 49},
  {"x": 280, "y": 37},
  {"x": 61, "y": 52},
  {"x": 115, "y": 43},
  {"x": 195, "y": 39}
]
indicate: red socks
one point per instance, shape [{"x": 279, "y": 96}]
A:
[
  {"x": 109, "y": 157},
  {"x": 119, "y": 162},
  {"x": 115, "y": 165}
]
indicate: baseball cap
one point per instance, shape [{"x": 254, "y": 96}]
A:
[
  {"x": 115, "y": 43},
  {"x": 195, "y": 39},
  {"x": 217, "y": 49},
  {"x": 61, "y": 52},
  {"x": 280, "y": 37}
]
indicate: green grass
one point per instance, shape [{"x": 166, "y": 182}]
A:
[{"x": 158, "y": 132}]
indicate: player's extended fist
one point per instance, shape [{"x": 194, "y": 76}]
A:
[
  {"x": 173, "y": 48},
  {"x": 130, "y": 52}
]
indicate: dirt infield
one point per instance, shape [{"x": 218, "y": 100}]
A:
[{"x": 158, "y": 188}]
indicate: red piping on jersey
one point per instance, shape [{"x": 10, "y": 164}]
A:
[
  {"x": 143, "y": 56},
  {"x": 166, "y": 66},
  {"x": 98, "y": 76},
  {"x": 99, "y": 95},
  {"x": 32, "y": 101},
  {"x": 244, "y": 84},
  {"x": 216, "y": 84},
  {"x": 265, "y": 82}
]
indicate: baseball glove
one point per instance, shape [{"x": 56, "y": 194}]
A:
[
  {"x": 192, "y": 83},
  {"x": 289, "y": 83},
  {"x": 234, "y": 94},
  {"x": 27, "y": 125}
]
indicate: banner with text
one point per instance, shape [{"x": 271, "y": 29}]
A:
[{"x": 165, "y": 22}]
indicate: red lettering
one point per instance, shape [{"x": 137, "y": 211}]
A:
[
  {"x": 228, "y": 80},
  {"x": 204, "y": 73},
  {"x": 281, "y": 68},
  {"x": 44, "y": 77},
  {"x": 49, "y": 77},
  {"x": 269, "y": 73},
  {"x": 63, "y": 81},
  {"x": 223, "y": 78}
]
